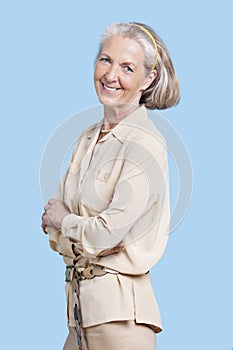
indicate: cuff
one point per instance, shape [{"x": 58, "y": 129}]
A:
[
  {"x": 69, "y": 226},
  {"x": 54, "y": 238}
]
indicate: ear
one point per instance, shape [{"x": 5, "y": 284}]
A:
[{"x": 149, "y": 79}]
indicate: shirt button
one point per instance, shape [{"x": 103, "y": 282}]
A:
[{"x": 106, "y": 176}]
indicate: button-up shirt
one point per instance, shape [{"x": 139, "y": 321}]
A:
[{"x": 116, "y": 190}]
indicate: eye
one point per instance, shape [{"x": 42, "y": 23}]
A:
[
  {"x": 105, "y": 59},
  {"x": 128, "y": 69}
]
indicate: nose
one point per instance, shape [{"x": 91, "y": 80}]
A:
[{"x": 112, "y": 73}]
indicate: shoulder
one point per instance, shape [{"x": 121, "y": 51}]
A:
[
  {"x": 88, "y": 132},
  {"x": 139, "y": 127},
  {"x": 148, "y": 136},
  {"x": 82, "y": 142}
]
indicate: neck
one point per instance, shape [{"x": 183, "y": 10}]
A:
[{"x": 114, "y": 114}]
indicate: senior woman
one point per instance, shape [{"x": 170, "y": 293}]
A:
[{"x": 110, "y": 215}]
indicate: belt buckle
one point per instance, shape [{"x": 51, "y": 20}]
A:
[{"x": 86, "y": 272}]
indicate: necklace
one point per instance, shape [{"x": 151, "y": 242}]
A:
[{"x": 104, "y": 131}]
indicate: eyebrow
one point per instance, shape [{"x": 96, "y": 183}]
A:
[{"x": 125, "y": 62}]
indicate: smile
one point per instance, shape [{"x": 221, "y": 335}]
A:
[{"x": 110, "y": 89}]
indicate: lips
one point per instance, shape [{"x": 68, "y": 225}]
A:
[{"x": 109, "y": 88}]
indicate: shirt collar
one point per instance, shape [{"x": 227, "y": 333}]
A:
[{"x": 124, "y": 127}]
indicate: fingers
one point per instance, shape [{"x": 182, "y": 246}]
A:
[
  {"x": 72, "y": 240},
  {"x": 43, "y": 225},
  {"x": 44, "y": 228},
  {"x": 46, "y": 207},
  {"x": 118, "y": 248},
  {"x": 45, "y": 221},
  {"x": 51, "y": 201}
]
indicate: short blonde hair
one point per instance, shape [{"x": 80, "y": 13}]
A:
[{"x": 164, "y": 91}]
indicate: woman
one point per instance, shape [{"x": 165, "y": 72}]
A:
[{"x": 110, "y": 216}]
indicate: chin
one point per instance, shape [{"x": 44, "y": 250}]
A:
[
  {"x": 108, "y": 101},
  {"x": 107, "y": 98}
]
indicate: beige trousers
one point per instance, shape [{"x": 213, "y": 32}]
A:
[{"x": 118, "y": 335}]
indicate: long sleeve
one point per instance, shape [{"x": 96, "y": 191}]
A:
[{"x": 141, "y": 186}]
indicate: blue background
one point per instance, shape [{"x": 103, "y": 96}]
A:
[{"x": 47, "y": 54}]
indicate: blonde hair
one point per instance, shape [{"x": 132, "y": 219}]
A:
[{"x": 164, "y": 91}]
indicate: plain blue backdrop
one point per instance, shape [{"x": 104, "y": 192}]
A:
[{"x": 47, "y": 54}]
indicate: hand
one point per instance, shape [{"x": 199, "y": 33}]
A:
[
  {"x": 55, "y": 211},
  {"x": 43, "y": 225},
  {"x": 118, "y": 248}
]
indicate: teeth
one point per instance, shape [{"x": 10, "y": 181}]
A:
[{"x": 110, "y": 89}]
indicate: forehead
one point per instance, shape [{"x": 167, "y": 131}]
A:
[{"x": 122, "y": 47}]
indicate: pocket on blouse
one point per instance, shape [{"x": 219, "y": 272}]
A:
[
  {"x": 96, "y": 195},
  {"x": 73, "y": 168}
]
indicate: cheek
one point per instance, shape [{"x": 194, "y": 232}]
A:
[
  {"x": 96, "y": 74},
  {"x": 99, "y": 71},
  {"x": 134, "y": 86}
]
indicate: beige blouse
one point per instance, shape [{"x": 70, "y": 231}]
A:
[{"x": 116, "y": 190}]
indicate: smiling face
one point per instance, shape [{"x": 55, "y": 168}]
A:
[{"x": 120, "y": 75}]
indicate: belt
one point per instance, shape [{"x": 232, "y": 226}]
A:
[{"x": 82, "y": 273}]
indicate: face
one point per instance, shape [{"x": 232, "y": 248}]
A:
[{"x": 120, "y": 75}]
